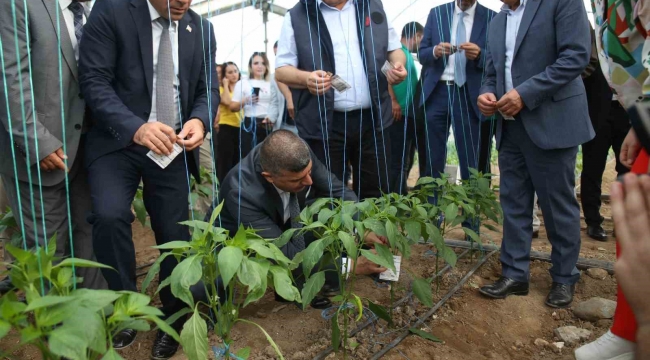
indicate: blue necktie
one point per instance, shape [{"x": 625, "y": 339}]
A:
[
  {"x": 460, "y": 59},
  {"x": 78, "y": 12}
]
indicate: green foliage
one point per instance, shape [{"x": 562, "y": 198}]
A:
[
  {"x": 9, "y": 225},
  {"x": 64, "y": 322},
  {"x": 246, "y": 263}
]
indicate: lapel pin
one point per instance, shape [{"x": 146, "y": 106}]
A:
[{"x": 188, "y": 28}]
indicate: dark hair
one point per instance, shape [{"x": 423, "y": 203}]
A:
[
  {"x": 266, "y": 63},
  {"x": 283, "y": 150},
  {"x": 225, "y": 65},
  {"x": 411, "y": 29},
  {"x": 275, "y": 45}
]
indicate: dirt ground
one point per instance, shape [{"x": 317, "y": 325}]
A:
[{"x": 471, "y": 326}]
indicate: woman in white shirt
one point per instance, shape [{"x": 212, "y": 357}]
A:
[{"x": 253, "y": 95}]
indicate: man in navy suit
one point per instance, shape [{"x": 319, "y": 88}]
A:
[
  {"x": 147, "y": 74},
  {"x": 452, "y": 55},
  {"x": 536, "y": 51}
]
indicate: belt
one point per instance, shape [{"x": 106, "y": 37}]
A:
[{"x": 448, "y": 82}]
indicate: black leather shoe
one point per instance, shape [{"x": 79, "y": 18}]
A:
[
  {"x": 561, "y": 295},
  {"x": 505, "y": 287},
  {"x": 330, "y": 291},
  {"x": 536, "y": 234},
  {"x": 597, "y": 233},
  {"x": 124, "y": 339},
  {"x": 5, "y": 285},
  {"x": 164, "y": 347}
]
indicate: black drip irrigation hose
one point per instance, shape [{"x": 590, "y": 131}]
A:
[
  {"x": 323, "y": 354},
  {"x": 440, "y": 303}
]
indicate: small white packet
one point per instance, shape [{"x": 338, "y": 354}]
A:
[
  {"x": 506, "y": 117},
  {"x": 387, "y": 67},
  {"x": 339, "y": 84},
  {"x": 164, "y": 160},
  {"x": 389, "y": 275}
]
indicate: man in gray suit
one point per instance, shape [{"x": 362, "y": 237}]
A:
[
  {"x": 536, "y": 51},
  {"x": 39, "y": 90}
]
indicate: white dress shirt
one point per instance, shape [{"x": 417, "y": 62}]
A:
[
  {"x": 68, "y": 17},
  {"x": 244, "y": 88},
  {"x": 285, "y": 196},
  {"x": 512, "y": 28},
  {"x": 156, "y": 32},
  {"x": 448, "y": 74},
  {"x": 342, "y": 26}
]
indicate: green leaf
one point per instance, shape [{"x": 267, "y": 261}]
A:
[
  {"x": 112, "y": 355},
  {"x": 194, "y": 337},
  {"x": 249, "y": 274},
  {"x": 348, "y": 223},
  {"x": 95, "y": 300},
  {"x": 383, "y": 256},
  {"x": 244, "y": 353},
  {"x": 165, "y": 327},
  {"x": 153, "y": 271},
  {"x": 284, "y": 238},
  {"x": 186, "y": 274},
  {"x": 472, "y": 234},
  {"x": 447, "y": 254},
  {"x": 421, "y": 211},
  {"x": 317, "y": 205},
  {"x": 229, "y": 260},
  {"x": 69, "y": 341},
  {"x": 451, "y": 212},
  {"x": 282, "y": 283},
  {"x": 491, "y": 227},
  {"x": 422, "y": 290},
  {"x": 29, "y": 334},
  {"x": 324, "y": 215},
  {"x": 19, "y": 254},
  {"x": 261, "y": 248},
  {"x": 56, "y": 314},
  {"x": 140, "y": 211},
  {"x": 381, "y": 312},
  {"x": 81, "y": 263},
  {"x": 172, "y": 245},
  {"x": 424, "y": 335},
  {"x": 357, "y": 301},
  {"x": 4, "y": 328},
  {"x": 414, "y": 230},
  {"x": 349, "y": 244},
  {"x": 313, "y": 254},
  {"x": 376, "y": 226},
  {"x": 391, "y": 233},
  {"x": 313, "y": 285},
  {"x": 268, "y": 337},
  {"x": 135, "y": 303},
  {"x": 47, "y": 301},
  {"x": 215, "y": 213},
  {"x": 424, "y": 181},
  {"x": 336, "y": 332}
]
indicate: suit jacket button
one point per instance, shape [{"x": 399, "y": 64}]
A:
[{"x": 77, "y": 127}]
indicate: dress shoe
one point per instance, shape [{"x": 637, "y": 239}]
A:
[
  {"x": 124, "y": 339},
  {"x": 5, "y": 285},
  {"x": 330, "y": 291},
  {"x": 597, "y": 233},
  {"x": 536, "y": 234},
  {"x": 164, "y": 347},
  {"x": 607, "y": 347},
  {"x": 561, "y": 295},
  {"x": 505, "y": 287}
]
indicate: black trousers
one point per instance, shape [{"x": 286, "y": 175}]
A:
[
  {"x": 353, "y": 138},
  {"x": 252, "y": 134},
  {"x": 228, "y": 150},
  {"x": 402, "y": 151},
  {"x": 114, "y": 180},
  {"x": 610, "y": 133}
]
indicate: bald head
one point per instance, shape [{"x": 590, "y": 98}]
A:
[{"x": 283, "y": 151}]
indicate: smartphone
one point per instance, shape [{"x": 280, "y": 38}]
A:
[{"x": 256, "y": 91}]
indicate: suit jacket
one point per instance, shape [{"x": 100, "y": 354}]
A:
[
  {"x": 252, "y": 201},
  {"x": 41, "y": 99},
  {"x": 440, "y": 18},
  {"x": 116, "y": 73},
  {"x": 276, "y": 107},
  {"x": 552, "y": 49}
]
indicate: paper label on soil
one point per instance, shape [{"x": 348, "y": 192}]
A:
[{"x": 389, "y": 275}]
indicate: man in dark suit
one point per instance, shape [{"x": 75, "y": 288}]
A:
[
  {"x": 536, "y": 51},
  {"x": 143, "y": 72},
  {"x": 452, "y": 54}
]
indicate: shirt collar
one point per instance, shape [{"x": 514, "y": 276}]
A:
[
  {"x": 64, "y": 4},
  {"x": 155, "y": 15},
  {"x": 280, "y": 192},
  {"x": 469, "y": 12},
  {"x": 522, "y": 4},
  {"x": 320, "y": 2}
]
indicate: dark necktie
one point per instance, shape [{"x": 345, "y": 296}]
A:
[
  {"x": 294, "y": 214},
  {"x": 78, "y": 12},
  {"x": 166, "y": 111}
]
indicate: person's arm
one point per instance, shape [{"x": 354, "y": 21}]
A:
[
  {"x": 238, "y": 99},
  {"x": 490, "y": 75},
  {"x": 397, "y": 109},
  {"x": 274, "y": 103},
  {"x": 16, "y": 77},
  {"x": 573, "y": 48},
  {"x": 286, "y": 92},
  {"x": 97, "y": 66}
]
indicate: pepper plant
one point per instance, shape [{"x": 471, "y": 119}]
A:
[
  {"x": 228, "y": 269},
  {"x": 62, "y": 321}
]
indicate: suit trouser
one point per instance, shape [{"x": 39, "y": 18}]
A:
[
  {"x": 610, "y": 133},
  {"x": 360, "y": 144},
  {"x": 450, "y": 105},
  {"x": 488, "y": 130},
  {"x": 402, "y": 151},
  {"x": 114, "y": 180},
  {"x": 51, "y": 212},
  {"x": 526, "y": 169}
]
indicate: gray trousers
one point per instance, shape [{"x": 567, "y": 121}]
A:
[{"x": 51, "y": 211}]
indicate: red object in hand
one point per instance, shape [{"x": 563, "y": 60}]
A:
[{"x": 367, "y": 21}]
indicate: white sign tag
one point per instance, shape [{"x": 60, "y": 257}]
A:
[
  {"x": 389, "y": 275},
  {"x": 164, "y": 160}
]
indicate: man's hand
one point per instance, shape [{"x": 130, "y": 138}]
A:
[
  {"x": 367, "y": 267},
  {"x": 472, "y": 51},
  {"x": 631, "y": 213},
  {"x": 442, "y": 49},
  {"x": 291, "y": 110},
  {"x": 397, "y": 111},
  {"x": 510, "y": 104},
  {"x": 54, "y": 161},
  {"x": 319, "y": 82},
  {"x": 371, "y": 239},
  {"x": 157, "y": 137},
  {"x": 192, "y": 134},
  {"x": 397, "y": 74},
  {"x": 630, "y": 149},
  {"x": 487, "y": 104}
]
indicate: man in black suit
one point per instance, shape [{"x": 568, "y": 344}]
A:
[{"x": 144, "y": 67}]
